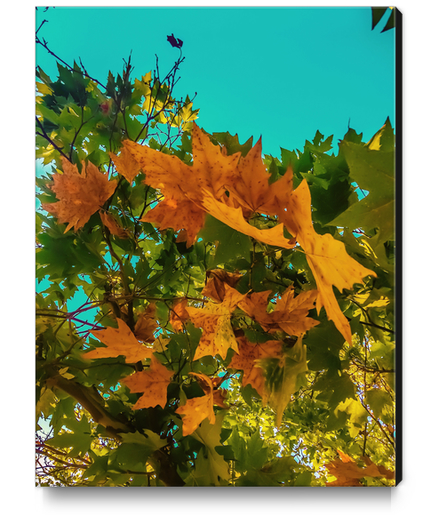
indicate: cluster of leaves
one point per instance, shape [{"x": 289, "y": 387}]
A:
[{"x": 210, "y": 346}]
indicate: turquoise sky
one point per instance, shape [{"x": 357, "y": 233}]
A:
[{"x": 282, "y": 73}]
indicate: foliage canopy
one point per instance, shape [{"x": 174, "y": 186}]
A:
[{"x": 232, "y": 319}]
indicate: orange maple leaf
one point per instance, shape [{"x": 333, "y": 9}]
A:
[
  {"x": 80, "y": 194},
  {"x": 119, "y": 342},
  {"x": 326, "y": 256},
  {"x": 153, "y": 382},
  {"x": 219, "y": 395},
  {"x": 290, "y": 312},
  {"x": 182, "y": 184},
  {"x": 114, "y": 228},
  {"x": 179, "y": 315},
  {"x": 146, "y": 324},
  {"x": 180, "y": 215},
  {"x": 126, "y": 164},
  {"x": 199, "y": 408},
  {"x": 217, "y": 336},
  {"x": 176, "y": 179},
  {"x": 247, "y": 357},
  {"x": 215, "y": 286},
  {"x": 255, "y": 304},
  {"x": 249, "y": 184},
  {"x": 348, "y": 472}
]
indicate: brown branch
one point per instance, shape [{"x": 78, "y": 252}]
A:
[
  {"x": 370, "y": 323},
  {"x": 67, "y": 316},
  {"x": 372, "y": 370},
  {"x": 93, "y": 403},
  {"x": 58, "y": 460},
  {"x": 365, "y": 394},
  {"x": 53, "y": 450},
  {"x": 378, "y": 423},
  {"x": 130, "y": 317},
  {"x": 78, "y": 131},
  {"x": 377, "y": 326}
]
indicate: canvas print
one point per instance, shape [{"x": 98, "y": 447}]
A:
[{"x": 217, "y": 247}]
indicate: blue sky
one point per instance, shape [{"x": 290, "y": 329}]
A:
[{"x": 282, "y": 73}]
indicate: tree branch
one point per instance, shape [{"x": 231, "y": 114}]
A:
[
  {"x": 84, "y": 73},
  {"x": 91, "y": 400},
  {"x": 45, "y": 135}
]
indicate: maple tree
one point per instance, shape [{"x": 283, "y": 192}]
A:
[{"x": 206, "y": 314}]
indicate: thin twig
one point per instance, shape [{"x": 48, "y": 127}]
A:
[
  {"x": 45, "y": 135},
  {"x": 83, "y": 73}
]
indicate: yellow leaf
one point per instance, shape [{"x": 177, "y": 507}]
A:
[
  {"x": 64, "y": 373},
  {"x": 182, "y": 184},
  {"x": 357, "y": 415},
  {"x": 160, "y": 344},
  {"x": 233, "y": 217},
  {"x": 327, "y": 258},
  {"x": 176, "y": 179},
  {"x": 46, "y": 403},
  {"x": 190, "y": 191},
  {"x": 43, "y": 88}
]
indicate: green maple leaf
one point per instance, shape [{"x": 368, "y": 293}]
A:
[
  {"x": 79, "y": 440},
  {"x": 334, "y": 388},
  {"x": 134, "y": 451},
  {"x": 230, "y": 244},
  {"x": 275, "y": 473},
  {"x": 232, "y": 144},
  {"x": 284, "y": 377},
  {"x": 199, "y": 474},
  {"x": 372, "y": 167},
  {"x": 209, "y": 434}
]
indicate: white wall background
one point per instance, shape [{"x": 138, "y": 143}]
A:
[{"x": 17, "y": 304}]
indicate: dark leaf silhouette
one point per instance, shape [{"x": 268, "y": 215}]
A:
[
  {"x": 377, "y": 15},
  {"x": 175, "y": 42}
]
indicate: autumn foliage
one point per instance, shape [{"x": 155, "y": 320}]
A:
[{"x": 237, "y": 336}]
